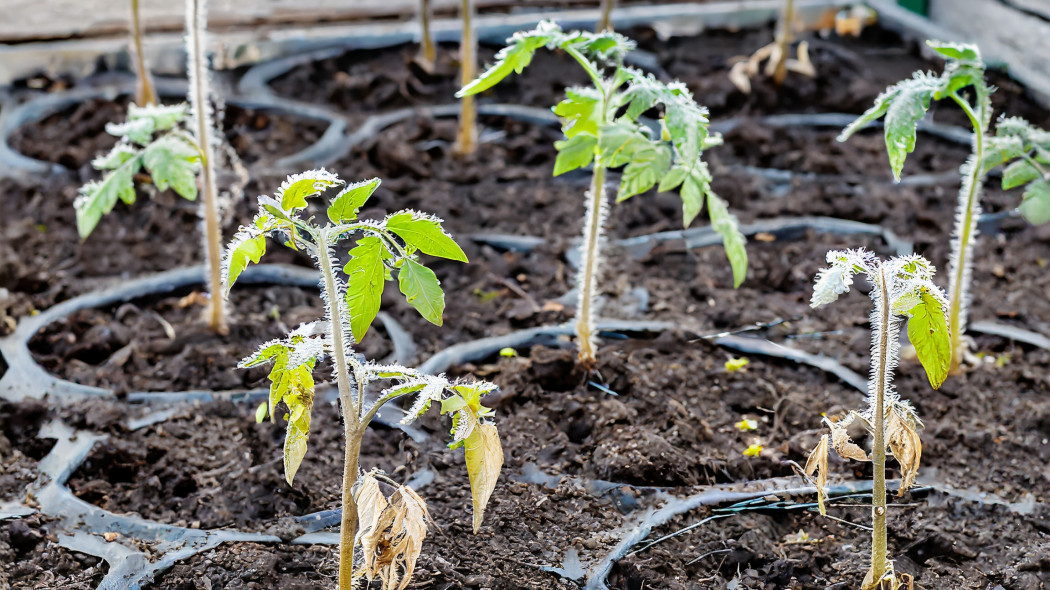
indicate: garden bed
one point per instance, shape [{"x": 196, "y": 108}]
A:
[{"x": 586, "y": 456}]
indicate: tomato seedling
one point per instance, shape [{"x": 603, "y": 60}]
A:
[
  {"x": 603, "y": 126},
  {"x": 902, "y": 287},
  {"x": 390, "y": 531},
  {"x": 1021, "y": 148}
]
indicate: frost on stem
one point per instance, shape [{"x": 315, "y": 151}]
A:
[
  {"x": 601, "y": 127},
  {"x": 902, "y": 287},
  {"x": 390, "y": 531}
]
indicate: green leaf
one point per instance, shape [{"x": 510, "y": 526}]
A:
[
  {"x": 172, "y": 162},
  {"x": 1035, "y": 207},
  {"x": 580, "y": 111},
  {"x": 1000, "y": 150},
  {"x": 733, "y": 241},
  {"x": 295, "y": 440},
  {"x": 902, "y": 119},
  {"x": 882, "y": 104},
  {"x": 513, "y": 58},
  {"x": 697, "y": 183},
  {"x": 574, "y": 153},
  {"x": 294, "y": 191},
  {"x": 261, "y": 412},
  {"x": 648, "y": 165},
  {"x": 422, "y": 290},
  {"x": 350, "y": 200},
  {"x": 640, "y": 97},
  {"x": 426, "y": 234},
  {"x": 366, "y": 274},
  {"x": 162, "y": 117},
  {"x": 243, "y": 249},
  {"x": 139, "y": 131},
  {"x": 1018, "y": 173},
  {"x": 959, "y": 51},
  {"x": 686, "y": 122},
  {"x": 120, "y": 154},
  {"x": 928, "y": 332},
  {"x": 673, "y": 179},
  {"x": 617, "y": 143},
  {"x": 98, "y": 198}
]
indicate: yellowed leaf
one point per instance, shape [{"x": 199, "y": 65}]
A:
[
  {"x": 818, "y": 462},
  {"x": 484, "y": 457}
]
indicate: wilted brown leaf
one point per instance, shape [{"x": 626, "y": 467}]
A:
[
  {"x": 845, "y": 447},
  {"x": 902, "y": 436},
  {"x": 818, "y": 462},
  {"x": 390, "y": 533}
]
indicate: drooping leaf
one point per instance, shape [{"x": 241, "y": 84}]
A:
[
  {"x": 172, "y": 162},
  {"x": 484, "y": 457},
  {"x": 425, "y": 233},
  {"x": 874, "y": 113},
  {"x": 817, "y": 463},
  {"x": 696, "y": 184},
  {"x": 295, "y": 440},
  {"x": 422, "y": 290},
  {"x": 574, "y": 153},
  {"x": 1035, "y": 206},
  {"x": 618, "y": 142},
  {"x": 366, "y": 276},
  {"x": 686, "y": 122},
  {"x": 733, "y": 241},
  {"x": 909, "y": 106},
  {"x": 928, "y": 332},
  {"x": 294, "y": 191},
  {"x": 98, "y": 198},
  {"x": 349, "y": 201},
  {"x": 902, "y": 437},
  {"x": 244, "y": 249},
  {"x": 648, "y": 165}
]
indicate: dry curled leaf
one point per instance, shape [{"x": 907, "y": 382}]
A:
[
  {"x": 840, "y": 439},
  {"x": 818, "y": 462},
  {"x": 902, "y": 437},
  {"x": 889, "y": 580},
  {"x": 484, "y": 457},
  {"x": 390, "y": 532}
]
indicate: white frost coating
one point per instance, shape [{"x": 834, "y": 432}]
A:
[
  {"x": 590, "y": 289},
  {"x": 960, "y": 282},
  {"x": 464, "y": 426},
  {"x": 838, "y": 277},
  {"x": 322, "y": 180},
  {"x": 430, "y": 393}
]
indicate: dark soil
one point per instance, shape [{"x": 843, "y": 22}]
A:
[
  {"x": 32, "y": 560},
  {"x": 668, "y": 428}
]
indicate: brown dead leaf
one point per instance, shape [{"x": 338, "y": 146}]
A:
[
  {"x": 818, "y": 462},
  {"x": 552, "y": 306},
  {"x": 738, "y": 76},
  {"x": 902, "y": 436},
  {"x": 391, "y": 533},
  {"x": 765, "y": 237},
  {"x": 484, "y": 457},
  {"x": 194, "y": 298},
  {"x": 845, "y": 447}
]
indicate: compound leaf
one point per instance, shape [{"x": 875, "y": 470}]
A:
[
  {"x": 618, "y": 142},
  {"x": 908, "y": 107},
  {"x": 98, "y": 198},
  {"x": 648, "y": 165},
  {"x": 580, "y": 111},
  {"x": 513, "y": 58},
  {"x": 574, "y": 153},
  {"x": 733, "y": 241},
  {"x": 162, "y": 117}
]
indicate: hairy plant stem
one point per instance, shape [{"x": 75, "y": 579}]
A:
[
  {"x": 605, "y": 19},
  {"x": 352, "y": 425},
  {"x": 196, "y": 22},
  {"x": 588, "y": 282},
  {"x": 878, "y": 454},
  {"x": 467, "y": 137},
  {"x": 965, "y": 231},
  {"x": 428, "y": 49},
  {"x": 145, "y": 92}
]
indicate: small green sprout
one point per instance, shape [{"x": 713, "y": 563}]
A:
[
  {"x": 390, "y": 530},
  {"x": 603, "y": 126},
  {"x": 902, "y": 288},
  {"x": 1022, "y": 149}
]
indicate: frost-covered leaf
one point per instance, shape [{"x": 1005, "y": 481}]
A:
[
  {"x": 959, "y": 51},
  {"x": 1018, "y": 173},
  {"x": 161, "y": 117},
  {"x": 117, "y": 156},
  {"x": 928, "y": 333},
  {"x": 574, "y": 153},
  {"x": 294, "y": 191},
  {"x": 98, "y": 198},
  {"x": 422, "y": 290},
  {"x": 1035, "y": 206},
  {"x": 245, "y": 248},
  {"x": 908, "y": 107},
  {"x": 618, "y": 142},
  {"x": 349, "y": 201},
  {"x": 425, "y": 233},
  {"x": 366, "y": 277},
  {"x": 580, "y": 111},
  {"x": 139, "y": 131},
  {"x": 173, "y": 163},
  {"x": 514, "y": 58}
]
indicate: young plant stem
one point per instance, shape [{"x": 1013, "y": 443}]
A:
[
  {"x": 965, "y": 232},
  {"x": 351, "y": 417},
  {"x": 467, "y": 138},
  {"x": 145, "y": 92},
  {"x": 784, "y": 38},
  {"x": 588, "y": 281},
  {"x": 196, "y": 23},
  {"x": 878, "y": 454},
  {"x": 605, "y": 19},
  {"x": 429, "y": 50}
]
